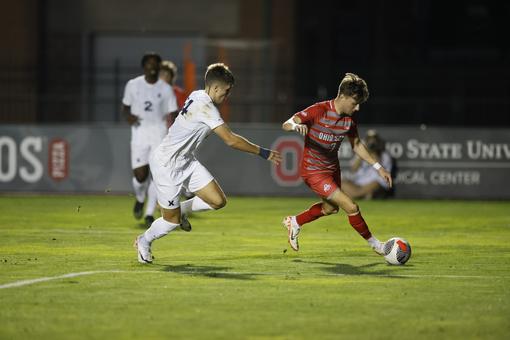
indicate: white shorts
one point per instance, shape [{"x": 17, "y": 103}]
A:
[
  {"x": 140, "y": 153},
  {"x": 169, "y": 190}
]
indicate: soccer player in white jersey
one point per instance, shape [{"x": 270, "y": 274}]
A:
[
  {"x": 147, "y": 103},
  {"x": 174, "y": 164}
]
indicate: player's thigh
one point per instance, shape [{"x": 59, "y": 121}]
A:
[
  {"x": 203, "y": 184},
  {"x": 322, "y": 184},
  {"x": 343, "y": 201},
  {"x": 212, "y": 194}
]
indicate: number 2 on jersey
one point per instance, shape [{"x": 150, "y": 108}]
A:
[
  {"x": 184, "y": 109},
  {"x": 148, "y": 106}
]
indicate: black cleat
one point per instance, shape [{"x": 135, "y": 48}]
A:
[
  {"x": 138, "y": 210},
  {"x": 185, "y": 225},
  {"x": 148, "y": 220}
]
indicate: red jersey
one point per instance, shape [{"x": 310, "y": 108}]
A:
[
  {"x": 180, "y": 95},
  {"x": 326, "y": 131}
]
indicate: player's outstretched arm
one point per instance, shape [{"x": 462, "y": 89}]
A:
[
  {"x": 294, "y": 124},
  {"x": 240, "y": 143},
  {"x": 361, "y": 150}
]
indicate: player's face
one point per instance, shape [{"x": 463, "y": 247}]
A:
[
  {"x": 349, "y": 105},
  {"x": 151, "y": 67},
  {"x": 219, "y": 92}
]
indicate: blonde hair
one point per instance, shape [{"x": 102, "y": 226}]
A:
[{"x": 167, "y": 65}]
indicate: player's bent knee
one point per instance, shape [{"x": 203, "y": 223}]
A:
[
  {"x": 351, "y": 208},
  {"x": 218, "y": 204},
  {"x": 329, "y": 211},
  {"x": 140, "y": 178},
  {"x": 140, "y": 175},
  {"x": 171, "y": 215}
]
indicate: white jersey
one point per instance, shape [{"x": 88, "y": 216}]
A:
[
  {"x": 151, "y": 103},
  {"x": 197, "y": 119}
]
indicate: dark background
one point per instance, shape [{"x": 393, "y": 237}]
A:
[{"x": 426, "y": 62}]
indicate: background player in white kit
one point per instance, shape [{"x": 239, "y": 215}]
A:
[
  {"x": 146, "y": 104},
  {"x": 174, "y": 165}
]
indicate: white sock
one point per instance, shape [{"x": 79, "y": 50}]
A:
[
  {"x": 374, "y": 242},
  {"x": 140, "y": 189},
  {"x": 294, "y": 221},
  {"x": 194, "y": 204},
  {"x": 150, "y": 206},
  {"x": 158, "y": 229}
]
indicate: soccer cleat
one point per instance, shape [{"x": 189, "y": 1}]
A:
[
  {"x": 378, "y": 248},
  {"x": 185, "y": 225},
  {"x": 293, "y": 232},
  {"x": 138, "y": 210},
  {"x": 148, "y": 220},
  {"x": 144, "y": 250}
]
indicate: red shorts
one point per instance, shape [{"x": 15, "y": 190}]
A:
[{"x": 323, "y": 184}]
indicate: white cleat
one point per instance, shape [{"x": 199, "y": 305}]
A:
[
  {"x": 185, "y": 225},
  {"x": 293, "y": 231},
  {"x": 144, "y": 250}
]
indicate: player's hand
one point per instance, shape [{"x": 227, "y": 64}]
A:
[
  {"x": 275, "y": 157},
  {"x": 386, "y": 175},
  {"x": 302, "y": 129},
  {"x": 133, "y": 119}
]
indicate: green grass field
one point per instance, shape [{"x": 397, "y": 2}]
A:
[{"x": 234, "y": 276}]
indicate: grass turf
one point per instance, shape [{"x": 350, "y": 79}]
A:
[{"x": 234, "y": 276}]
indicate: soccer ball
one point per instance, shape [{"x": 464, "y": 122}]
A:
[{"x": 397, "y": 251}]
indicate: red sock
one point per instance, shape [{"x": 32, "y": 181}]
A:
[
  {"x": 359, "y": 224},
  {"x": 313, "y": 213}
]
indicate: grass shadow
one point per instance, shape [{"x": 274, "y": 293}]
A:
[
  {"x": 347, "y": 269},
  {"x": 206, "y": 271}
]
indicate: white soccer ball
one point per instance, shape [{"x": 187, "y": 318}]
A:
[{"x": 397, "y": 251}]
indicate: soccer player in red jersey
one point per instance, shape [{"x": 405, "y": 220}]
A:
[
  {"x": 324, "y": 126},
  {"x": 168, "y": 73}
]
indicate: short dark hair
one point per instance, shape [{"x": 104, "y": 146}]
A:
[
  {"x": 353, "y": 86},
  {"x": 219, "y": 72},
  {"x": 149, "y": 55},
  {"x": 167, "y": 65}
]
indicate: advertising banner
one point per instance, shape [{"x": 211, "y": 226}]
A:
[{"x": 431, "y": 162}]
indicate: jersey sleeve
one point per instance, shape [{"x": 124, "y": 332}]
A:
[
  {"x": 128, "y": 94},
  {"x": 310, "y": 113},
  {"x": 212, "y": 116}
]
